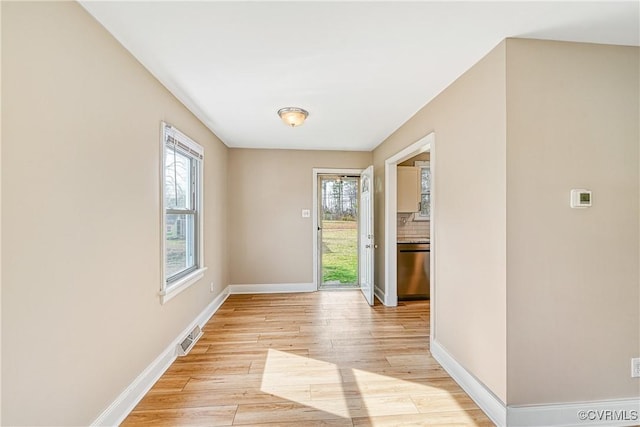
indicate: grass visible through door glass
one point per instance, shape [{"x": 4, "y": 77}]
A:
[{"x": 340, "y": 252}]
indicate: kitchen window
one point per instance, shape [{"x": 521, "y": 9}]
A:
[
  {"x": 182, "y": 212},
  {"x": 424, "y": 214}
]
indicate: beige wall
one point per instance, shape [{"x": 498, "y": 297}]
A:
[
  {"x": 545, "y": 309},
  {"x": 81, "y": 216},
  {"x": 269, "y": 241},
  {"x": 573, "y": 285},
  {"x": 469, "y": 121}
]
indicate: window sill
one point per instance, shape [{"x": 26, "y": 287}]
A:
[{"x": 181, "y": 285}]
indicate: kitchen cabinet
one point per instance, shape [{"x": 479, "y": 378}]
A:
[{"x": 408, "y": 189}]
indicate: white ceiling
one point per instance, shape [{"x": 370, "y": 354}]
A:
[{"x": 361, "y": 69}]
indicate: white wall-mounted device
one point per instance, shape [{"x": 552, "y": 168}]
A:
[
  {"x": 581, "y": 198},
  {"x": 635, "y": 367}
]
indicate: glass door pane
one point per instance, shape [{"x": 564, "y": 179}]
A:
[{"x": 338, "y": 221}]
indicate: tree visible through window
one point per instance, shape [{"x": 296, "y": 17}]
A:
[
  {"x": 425, "y": 191},
  {"x": 182, "y": 163}
]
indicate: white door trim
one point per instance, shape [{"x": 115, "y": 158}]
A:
[
  {"x": 314, "y": 230},
  {"x": 390, "y": 217}
]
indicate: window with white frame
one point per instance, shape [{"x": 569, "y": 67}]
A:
[
  {"x": 182, "y": 211},
  {"x": 425, "y": 191}
]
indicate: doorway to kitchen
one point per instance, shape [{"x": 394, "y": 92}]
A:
[
  {"x": 426, "y": 144},
  {"x": 337, "y": 225}
]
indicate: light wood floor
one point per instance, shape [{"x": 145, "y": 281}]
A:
[{"x": 311, "y": 359}]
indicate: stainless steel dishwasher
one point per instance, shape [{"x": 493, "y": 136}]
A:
[{"x": 413, "y": 270}]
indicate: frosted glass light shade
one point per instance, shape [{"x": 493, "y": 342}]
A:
[{"x": 293, "y": 116}]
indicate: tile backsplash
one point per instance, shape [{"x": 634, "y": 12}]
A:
[{"x": 408, "y": 228}]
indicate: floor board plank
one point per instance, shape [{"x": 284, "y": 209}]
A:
[{"x": 309, "y": 359}]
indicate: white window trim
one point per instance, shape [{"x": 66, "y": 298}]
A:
[
  {"x": 421, "y": 164},
  {"x": 167, "y": 293},
  {"x": 181, "y": 284}
]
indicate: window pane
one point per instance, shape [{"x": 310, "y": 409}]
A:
[
  {"x": 177, "y": 182},
  {"x": 180, "y": 243},
  {"x": 425, "y": 205},
  {"x": 425, "y": 175}
]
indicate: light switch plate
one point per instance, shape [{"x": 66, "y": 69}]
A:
[{"x": 306, "y": 213}]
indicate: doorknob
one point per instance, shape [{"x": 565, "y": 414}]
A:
[{"x": 367, "y": 246}]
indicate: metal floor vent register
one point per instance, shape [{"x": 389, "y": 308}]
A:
[{"x": 187, "y": 344}]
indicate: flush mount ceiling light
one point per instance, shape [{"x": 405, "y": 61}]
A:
[{"x": 293, "y": 116}]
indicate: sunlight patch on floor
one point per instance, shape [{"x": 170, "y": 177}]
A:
[
  {"x": 283, "y": 370},
  {"x": 353, "y": 393}
]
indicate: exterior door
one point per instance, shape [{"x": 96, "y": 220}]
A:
[
  {"x": 338, "y": 231},
  {"x": 366, "y": 245}
]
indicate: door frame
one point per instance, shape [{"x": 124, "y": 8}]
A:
[
  {"x": 316, "y": 172},
  {"x": 426, "y": 143}
]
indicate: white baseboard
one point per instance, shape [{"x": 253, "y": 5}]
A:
[
  {"x": 131, "y": 396},
  {"x": 484, "y": 398},
  {"x": 620, "y": 412},
  {"x": 272, "y": 288}
]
